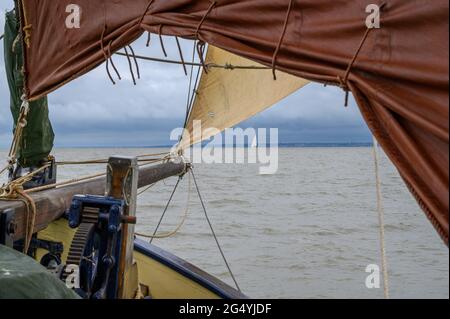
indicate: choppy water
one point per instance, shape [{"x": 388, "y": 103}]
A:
[{"x": 307, "y": 232}]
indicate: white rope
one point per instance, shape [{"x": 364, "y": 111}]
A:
[
  {"x": 380, "y": 210},
  {"x": 157, "y": 235}
]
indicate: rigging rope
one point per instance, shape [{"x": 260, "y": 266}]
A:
[
  {"x": 180, "y": 225},
  {"x": 78, "y": 180},
  {"x": 4, "y": 169},
  {"x": 208, "y": 65},
  {"x": 18, "y": 133},
  {"x": 141, "y": 158},
  {"x": 165, "y": 210},
  {"x": 103, "y": 161},
  {"x": 146, "y": 189},
  {"x": 191, "y": 90},
  {"x": 380, "y": 210},
  {"x": 213, "y": 232}
]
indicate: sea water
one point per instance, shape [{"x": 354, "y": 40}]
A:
[{"x": 309, "y": 231}]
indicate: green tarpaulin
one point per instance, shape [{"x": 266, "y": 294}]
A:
[
  {"x": 38, "y": 136},
  {"x": 23, "y": 278}
]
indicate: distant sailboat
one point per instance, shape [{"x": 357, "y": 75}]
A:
[{"x": 255, "y": 142}]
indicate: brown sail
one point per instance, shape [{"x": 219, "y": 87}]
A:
[{"x": 398, "y": 73}]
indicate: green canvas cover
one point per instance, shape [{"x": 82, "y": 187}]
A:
[
  {"x": 21, "y": 277},
  {"x": 38, "y": 136}
]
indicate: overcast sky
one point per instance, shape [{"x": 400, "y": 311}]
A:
[{"x": 92, "y": 112}]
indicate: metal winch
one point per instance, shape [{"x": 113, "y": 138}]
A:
[
  {"x": 96, "y": 247},
  {"x": 101, "y": 251}
]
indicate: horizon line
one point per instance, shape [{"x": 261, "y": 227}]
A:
[{"x": 280, "y": 145}]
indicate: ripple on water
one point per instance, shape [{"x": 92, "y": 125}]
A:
[{"x": 308, "y": 231}]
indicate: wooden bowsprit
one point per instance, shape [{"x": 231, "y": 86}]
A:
[{"x": 52, "y": 204}]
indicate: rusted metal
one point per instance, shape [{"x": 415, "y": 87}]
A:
[
  {"x": 52, "y": 204},
  {"x": 122, "y": 183}
]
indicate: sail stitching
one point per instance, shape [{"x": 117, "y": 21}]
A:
[{"x": 280, "y": 42}]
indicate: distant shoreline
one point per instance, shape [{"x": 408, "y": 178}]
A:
[{"x": 282, "y": 145}]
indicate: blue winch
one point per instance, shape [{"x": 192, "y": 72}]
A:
[{"x": 92, "y": 265}]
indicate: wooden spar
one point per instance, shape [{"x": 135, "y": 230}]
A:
[{"x": 52, "y": 204}]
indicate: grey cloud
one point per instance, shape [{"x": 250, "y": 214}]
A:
[{"x": 92, "y": 112}]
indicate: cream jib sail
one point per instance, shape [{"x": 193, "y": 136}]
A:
[{"x": 225, "y": 98}]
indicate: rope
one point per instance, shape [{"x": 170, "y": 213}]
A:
[
  {"x": 180, "y": 51},
  {"x": 380, "y": 210},
  {"x": 105, "y": 55},
  {"x": 141, "y": 158},
  {"x": 4, "y": 169},
  {"x": 78, "y": 180},
  {"x": 344, "y": 82},
  {"x": 108, "y": 56},
  {"x": 165, "y": 210},
  {"x": 190, "y": 89},
  {"x": 27, "y": 28},
  {"x": 14, "y": 191},
  {"x": 146, "y": 189},
  {"x": 149, "y": 39},
  {"x": 18, "y": 132},
  {"x": 31, "y": 215},
  {"x": 17, "y": 137},
  {"x": 214, "y": 233},
  {"x": 201, "y": 44},
  {"x": 180, "y": 225},
  {"x": 97, "y": 162},
  {"x": 135, "y": 62},
  {"x": 197, "y": 32},
  {"x": 130, "y": 65},
  {"x": 161, "y": 41},
  {"x": 64, "y": 184},
  {"x": 145, "y": 12},
  {"x": 227, "y": 66},
  {"x": 280, "y": 42}
]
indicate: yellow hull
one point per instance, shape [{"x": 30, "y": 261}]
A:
[{"x": 157, "y": 273}]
